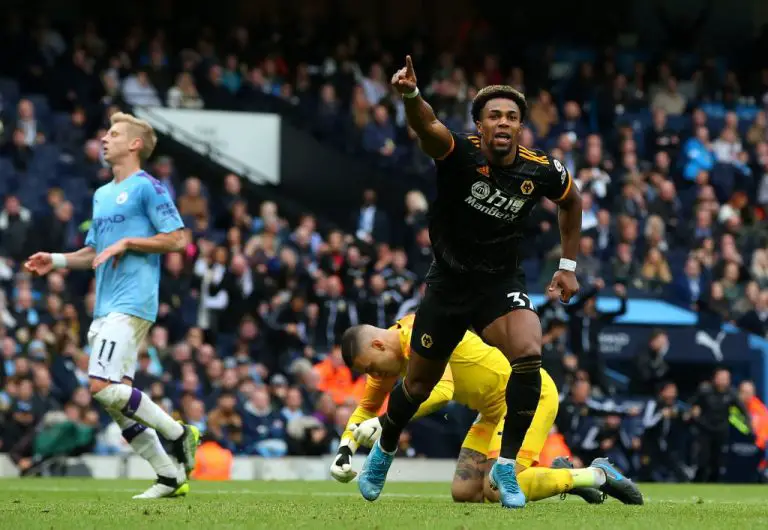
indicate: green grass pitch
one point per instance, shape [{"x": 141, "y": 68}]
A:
[{"x": 106, "y": 504}]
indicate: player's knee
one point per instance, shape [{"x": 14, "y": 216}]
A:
[
  {"x": 110, "y": 395},
  {"x": 461, "y": 491},
  {"x": 97, "y": 385}
]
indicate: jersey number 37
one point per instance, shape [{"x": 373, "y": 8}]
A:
[{"x": 520, "y": 300}]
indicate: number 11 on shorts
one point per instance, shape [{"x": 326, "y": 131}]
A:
[
  {"x": 111, "y": 349},
  {"x": 520, "y": 300}
]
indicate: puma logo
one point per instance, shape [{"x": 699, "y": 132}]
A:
[{"x": 714, "y": 344}]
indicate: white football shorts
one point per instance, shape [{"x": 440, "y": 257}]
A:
[{"x": 114, "y": 340}]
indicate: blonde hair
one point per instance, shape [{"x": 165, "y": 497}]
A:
[
  {"x": 654, "y": 223},
  {"x": 142, "y": 129}
]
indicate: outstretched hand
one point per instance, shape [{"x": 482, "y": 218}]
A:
[
  {"x": 40, "y": 263},
  {"x": 404, "y": 79}
]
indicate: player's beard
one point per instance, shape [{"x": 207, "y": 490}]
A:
[{"x": 500, "y": 151}]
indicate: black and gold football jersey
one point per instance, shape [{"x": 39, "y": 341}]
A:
[{"x": 478, "y": 218}]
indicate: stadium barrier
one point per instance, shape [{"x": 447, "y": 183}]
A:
[{"x": 248, "y": 468}]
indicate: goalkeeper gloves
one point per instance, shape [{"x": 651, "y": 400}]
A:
[
  {"x": 341, "y": 468},
  {"x": 368, "y": 432}
]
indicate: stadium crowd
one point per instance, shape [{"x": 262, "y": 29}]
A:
[{"x": 672, "y": 161}]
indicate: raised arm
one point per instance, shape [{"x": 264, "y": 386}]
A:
[{"x": 434, "y": 138}]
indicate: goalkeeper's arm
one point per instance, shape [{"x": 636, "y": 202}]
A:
[
  {"x": 368, "y": 432},
  {"x": 376, "y": 391}
]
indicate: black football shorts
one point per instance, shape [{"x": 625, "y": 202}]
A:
[{"x": 455, "y": 302}]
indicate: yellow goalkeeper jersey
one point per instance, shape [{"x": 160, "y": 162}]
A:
[{"x": 476, "y": 376}]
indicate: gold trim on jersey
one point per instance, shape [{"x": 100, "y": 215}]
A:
[
  {"x": 474, "y": 139},
  {"x": 567, "y": 188},
  {"x": 527, "y": 154},
  {"x": 450, "y": 150}
]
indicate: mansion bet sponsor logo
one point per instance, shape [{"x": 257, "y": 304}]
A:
[{"x": 493, "y": 202}]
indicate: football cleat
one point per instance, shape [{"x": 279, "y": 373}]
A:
[
  {"x": 504, "y": 478},
  {"x": 185, "y": 448},
  {"x": 617, "y": 485},
  {"x": 164, "y": 488},
  {"x": 374, "y": 473}
]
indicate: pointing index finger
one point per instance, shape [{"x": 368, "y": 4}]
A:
[{"x": 408, "y": 65}]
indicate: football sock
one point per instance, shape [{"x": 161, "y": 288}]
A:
[
  {"x": 539, "y": 483},
  {"x": 523, "y": 393},
  {"x": 400, "y": 410},
  {"x": 136, "y": 405},
  {"x": 147, "y": 445},
  {"x": 589, "y": 477}
]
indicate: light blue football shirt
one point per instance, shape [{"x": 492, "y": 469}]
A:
[{"x": 139, "y": 206}]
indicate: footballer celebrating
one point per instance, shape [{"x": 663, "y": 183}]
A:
[
  {"x": 487, "y": 185},
  {"x": 134, "y": 221},
  {"x": 476, "y": 376}
]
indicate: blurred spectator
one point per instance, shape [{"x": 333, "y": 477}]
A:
[
  {"x": 26, "y": 122},
  {"x": 670, "y": 100},
  {"x": 543, "y": 114},
  {"x": 192, "y": 203},
  {"x": 711, "y": 411},
  {"x": 71, "y": 136},
  {"x": 138, "y": 90},
  {"x": 225, "y": 423},
  {"x": 183, "y": 95},
  {"x": 15, "y": 229},
  {"x": 698, "y": 154},
  {"x": 651, "y": 369},
  {"x": 655, "y": 272},
  {"x": 690, "y": 286},
  {"x": 590, "y": 267},
  {"x": 663, "y": 446},
  {"x": 758, "y": 413},
  {"x": 660, "y": 137},
  {"x": 586, "y": 322},
  {"x": 370, "y": 223},
  {"x": 379, "y": 136},
  {"x": 756, "y": 320},
  {"x": 18, "y": 151},
  {"x": 263, "y": 428},
  {"x": 335, "y": 377},
  {"x": 375, "y": 85}
]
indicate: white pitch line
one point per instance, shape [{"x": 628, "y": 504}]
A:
[
  {"x": 293, "y": 493},
  {"x": 54, "y": 489}
]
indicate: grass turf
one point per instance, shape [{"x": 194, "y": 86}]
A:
[{"x": 85, "y": 503}]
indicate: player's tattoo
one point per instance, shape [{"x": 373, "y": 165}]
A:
[{"x": 471, "y": 465}]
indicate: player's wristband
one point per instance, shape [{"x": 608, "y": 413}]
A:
[
  {"x": 59, "y": 261},
  {"x": 413, "y": 94},
  {"x": 567, "y": 265}
]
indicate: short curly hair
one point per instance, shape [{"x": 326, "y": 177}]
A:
[{"x": 498, "y": 91}]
